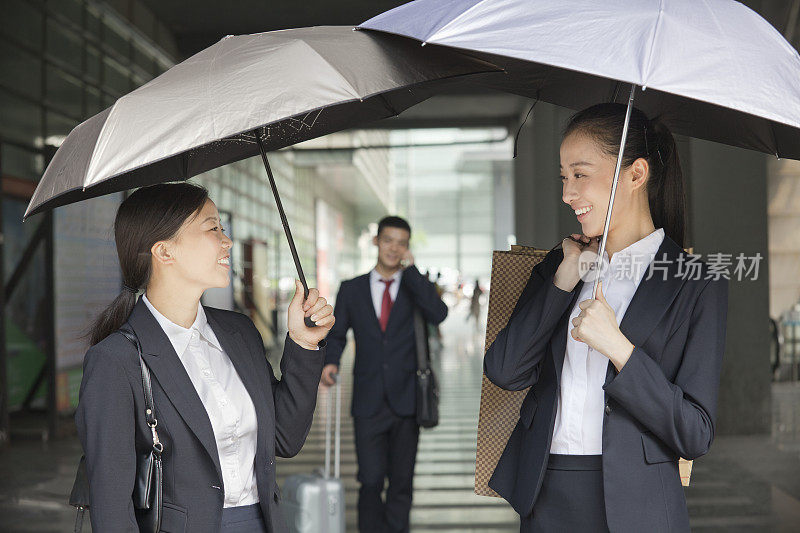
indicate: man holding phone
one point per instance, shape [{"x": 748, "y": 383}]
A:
[{"x": 379, "y": 306}]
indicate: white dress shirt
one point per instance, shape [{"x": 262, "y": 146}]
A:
[
  {"x": 377, "y": 287},
  {"x": 579, "y": 416},
  {"x": 227, "y": 402}
]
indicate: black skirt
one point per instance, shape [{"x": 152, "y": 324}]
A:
[
  {"x": 571, "y": 498},
  {"x": 244, "y": 519}
]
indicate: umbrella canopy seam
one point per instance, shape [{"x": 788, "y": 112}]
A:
[{"x": 651, "y": 51}]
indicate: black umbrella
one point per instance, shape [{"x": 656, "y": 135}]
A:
[{"x": 245, "y": 95}]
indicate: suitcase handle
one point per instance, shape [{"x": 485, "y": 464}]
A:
[{"x": 337, "y": 388}]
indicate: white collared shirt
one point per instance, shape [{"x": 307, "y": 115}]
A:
[
  {"x": 579, "y": 416},
  {"x": 227, "y": 402},
  {"x": 377, "y": 287}
]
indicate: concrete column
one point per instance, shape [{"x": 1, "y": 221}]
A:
[
  {"x": 541, "y": 219},
  {"x": 727, "y": 197}
]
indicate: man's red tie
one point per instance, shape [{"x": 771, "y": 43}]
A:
[{"x": 386, "y": 304}]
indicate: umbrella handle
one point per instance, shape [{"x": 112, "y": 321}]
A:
[{"x": 309, "y": 323}]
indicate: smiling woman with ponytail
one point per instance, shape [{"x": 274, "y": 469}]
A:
[
  {"x": 623, "y": 384},
  {"x": 221, "y": 415},
  {"x": 150, "y": 215}
]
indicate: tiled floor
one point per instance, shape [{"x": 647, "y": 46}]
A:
[{"x": 743, "y": 484}]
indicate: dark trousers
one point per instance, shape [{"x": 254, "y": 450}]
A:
[
  {"x": 571, "y": 498},
  {"x": 386, "y": 447}
]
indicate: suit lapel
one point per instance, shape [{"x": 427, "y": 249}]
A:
[
  {"x": 403, "y": 299},
  {"x": 560, "y": 341},
  {"x": 651, "y": 300},
  {"x": 237, "y": 351},
  {"x": 163, "y": 362},
  {"x": 366, "y": 297}
]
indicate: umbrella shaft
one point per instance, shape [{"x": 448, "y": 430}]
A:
[
  {"x": 617, "y": 170},
  {"x": 284, "y": 221}
]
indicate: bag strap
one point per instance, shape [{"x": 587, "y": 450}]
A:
[
  {"x": 421, "y": 337},
  {"x": 150, "y": 409}
]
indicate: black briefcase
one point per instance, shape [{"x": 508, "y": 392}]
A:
[{"x": 427, "y": 387}]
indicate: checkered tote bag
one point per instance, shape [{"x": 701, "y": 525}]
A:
[{"x": 499, "y": 410}]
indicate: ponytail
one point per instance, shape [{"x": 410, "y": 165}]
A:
[
  {"x": 665, "y": 191},
  {"x": 112, "y": 317}
]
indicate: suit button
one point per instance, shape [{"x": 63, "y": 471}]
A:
[
  {"x": 608, "y": 409},
  {"x": 384, "y": 342},
  {"x": 385, "y": 366}
]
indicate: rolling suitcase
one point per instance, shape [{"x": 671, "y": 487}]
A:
[{"x": 314, "y": 503}]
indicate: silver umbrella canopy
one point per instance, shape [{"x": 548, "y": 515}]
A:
[
  {"x": 713, "y": 70},
  {"x": 242, "y": 96}
]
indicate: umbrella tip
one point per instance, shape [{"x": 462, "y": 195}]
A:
[{"x": 424, "y": 43}]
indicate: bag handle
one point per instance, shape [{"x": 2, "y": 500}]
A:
[{"x": 338, "y": 431}]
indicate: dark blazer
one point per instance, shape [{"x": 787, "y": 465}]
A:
[
  {"x": 385, "y": 363},
  {"x": 660, "y": 406},
  {"x": 112, "y": 429}
]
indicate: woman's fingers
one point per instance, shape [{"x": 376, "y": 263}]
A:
[
  {"x": 319, "y": 304},
  {"x": 325, "y": 321},
  {"x": 322, "y": 312},
  {"x": 313, "y": 296}
]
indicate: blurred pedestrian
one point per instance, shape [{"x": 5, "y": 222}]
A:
[
  {"x": 379, "y": 307},
  {"x": 475, "y": 303}
]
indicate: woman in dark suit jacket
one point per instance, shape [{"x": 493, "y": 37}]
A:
[
  {"x": 222, "y": 417},
  {"x": 624, "y": 386}
]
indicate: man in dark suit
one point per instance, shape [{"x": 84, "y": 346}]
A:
[{"x": 379, "y": 306}]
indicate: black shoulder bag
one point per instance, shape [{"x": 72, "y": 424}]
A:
[
  {"x": 147, "y": 492},
  {"x": 427, "y": 388}
]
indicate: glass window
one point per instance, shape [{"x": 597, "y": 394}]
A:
[
  {"x": 93, "y": 22},
  {"x": 115, "y": 78},
  {"x": 142, "y": 58},
  {"x": 108, "y": 100},
  {"x": 64, "y": 92},
  {"x": 143, "y": 18},
  {"x": 23, "y": 22},
  {"x": 94, "y": 102},
  {"x": 22, "y": 120},
  {"x": 93, "y": 63},
  {"x": 58, "y": 125},
  {"x": 21, "y": 71},
  {"x": 21, "y": 163},
  {"x": 138, "y": 80},
  {"x": 72, "y": 10},
  {"x": 114, "y": 40},
  {"x": 63, "y": 44},
  {"x": 25, "y": 310}
]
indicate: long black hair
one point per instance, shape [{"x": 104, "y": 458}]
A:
[
  {"x": 149, "y": 215},
  {"x": 647, "y": 139}
]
